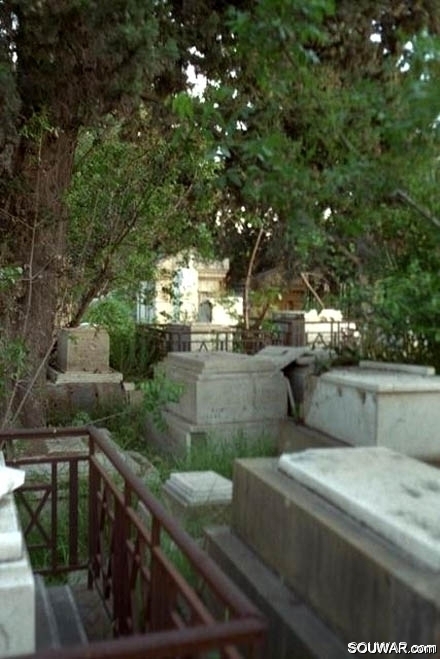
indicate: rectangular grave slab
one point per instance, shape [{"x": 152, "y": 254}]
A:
[
  {"x": 199, "y": 487},
  {"x": 378, "y": 407},
  {"x": 200, "y": 496},
  {"x": 360, "y": 549}
]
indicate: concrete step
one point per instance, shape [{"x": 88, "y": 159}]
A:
[{"x": 58, "y": 622}]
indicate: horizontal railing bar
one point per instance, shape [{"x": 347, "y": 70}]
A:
[
  {"x": 36, "y": 487},
  {"x": 49, "y": 459},
  {"x": 165, "y": 644},
  {"x": 43, "y": 433},
  {"x": 62, "y": 569}
]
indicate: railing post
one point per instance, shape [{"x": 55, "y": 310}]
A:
[
  {"x": 54, "y": 517},
  {"x": 73, "y": 512},
  {"x": 93, "y": 517},
  {"x": 122, "y": 618},
  {"x": 158, "y": 586}
]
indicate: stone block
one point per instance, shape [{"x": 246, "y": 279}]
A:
[
  {"x": 199, "y": 487},
  {"x": 412, "y": 369},
  {"x": 377, "y": 407},
  {"x": 362, "y": 584},
  {"x": 199, "y": 496},
  {"x": 17, "y": 589},
  {"x": 69, "y": 398},
  {"x": 180, "y": 436},
  {"x": 83, "y": 349},
  {"x": 220, "y": 387},
  {"x": 283, "y": 356}
]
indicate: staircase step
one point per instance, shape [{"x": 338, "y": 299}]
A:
[
  {"x": 46, "y": 629},
  {"x": 58, "y": 620}
]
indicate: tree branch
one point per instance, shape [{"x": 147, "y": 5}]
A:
[
  {"x": 311, "y": 289},
  {"x": 421, "y": 210}
]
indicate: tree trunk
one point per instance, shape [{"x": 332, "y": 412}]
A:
[{"x": 35, "y": 232}]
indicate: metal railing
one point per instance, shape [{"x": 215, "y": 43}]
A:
[
  {"x": 135, "y": 357},
  {"x": 164, "y": 595},
  {"x": 297, "y": 332}
]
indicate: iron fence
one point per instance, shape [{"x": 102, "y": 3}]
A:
[
  {"x": 296, "y": 332},
  {"x": 163, "y": 593}
]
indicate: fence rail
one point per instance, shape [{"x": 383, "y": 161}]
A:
[
  {"x": 297, "y": 332},
  {"x": 165, "y": 596}
]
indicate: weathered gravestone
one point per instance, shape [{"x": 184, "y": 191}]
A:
[{"x": 224, "y": 395}]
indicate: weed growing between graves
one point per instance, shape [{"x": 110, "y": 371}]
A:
[{"x": 212, "y": 454}]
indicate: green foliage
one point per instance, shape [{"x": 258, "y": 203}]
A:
[
  {"x": 405, "y": 317},
  {"x": 134, "y": 198},
  {"x": 13, "y": 358},
  {"x": 114, "y": 314},
  {"x": 156, "y": 394}
]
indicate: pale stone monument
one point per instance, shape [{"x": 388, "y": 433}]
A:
[
  {"x": 392, "y": 405},
  {"x": 83, "y": 349},
  {"x": 83, "y": 354},
  {"x": 394, "y": 495},
  {"x": 17, "y": 588},
  {"x": 223, "y": 395}
]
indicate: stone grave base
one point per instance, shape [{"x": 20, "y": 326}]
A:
[
  {"x": 294, "y": 629},
  {"x": 180, "y": 435},
  {"x": 361, "y": 584},
  {"x": 69, "y": 398}
]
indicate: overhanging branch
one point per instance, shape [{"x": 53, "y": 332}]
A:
[{"x": 421, "y": 210}]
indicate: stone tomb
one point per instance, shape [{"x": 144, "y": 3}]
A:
[
  {"x": 354, "y": 532},
  {"x": 392, "y": 405},
  {"x": 82, "y": 377},
  {"x": 17, "y": 588},
  {"x": 224, "y": 395},
  {"x": 193, "y": 495}
]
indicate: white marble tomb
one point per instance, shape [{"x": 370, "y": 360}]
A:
[
  {"x": 392, "y": 405},
  {"x": 395, "y": 496}
]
